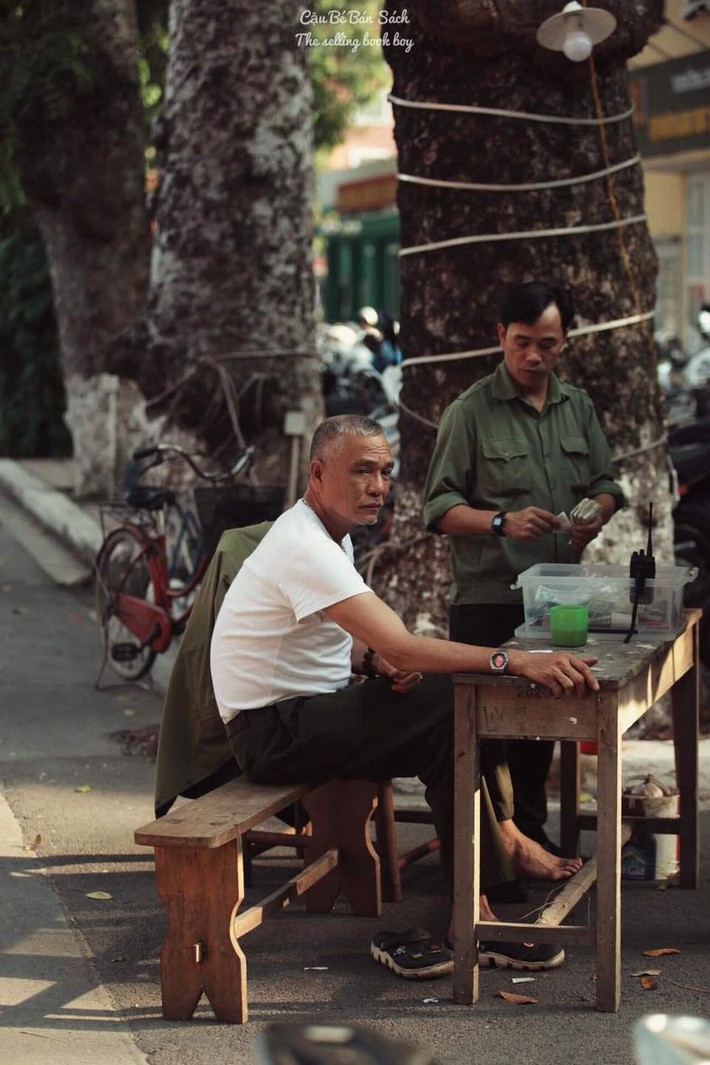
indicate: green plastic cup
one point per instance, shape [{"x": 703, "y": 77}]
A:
[{"x": 569, "y": 625}]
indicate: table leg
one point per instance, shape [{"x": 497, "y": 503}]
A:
[
  {"x": 684, "y": 702},
  {"x": 569, "y": 796},
  {"x": 466, "y": 845},
  {"x": 608, "y": 923}
]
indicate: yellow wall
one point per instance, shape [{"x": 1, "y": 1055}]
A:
[
  {"x": 665, "y": 176},
  {"x": 665, "y": 203}
]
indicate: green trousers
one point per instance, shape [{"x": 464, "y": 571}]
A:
[{"x": 370, "y": 732}]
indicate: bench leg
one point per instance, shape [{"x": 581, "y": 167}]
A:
[
  {"x": 202, "y": 890},
  {"x": 386, "y": 834},
  {"x": 340, "y": 813}
]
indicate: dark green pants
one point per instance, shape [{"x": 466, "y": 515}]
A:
[{"x": 368, "y": 732}]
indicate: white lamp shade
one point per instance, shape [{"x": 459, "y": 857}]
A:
[{"x": 596, "y": 23}]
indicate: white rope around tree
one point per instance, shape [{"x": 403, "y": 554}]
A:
[
  {"x": 533, "y": 186},
  {"x": 531, "y": 234},
  {"x": 527, "y": 116}
]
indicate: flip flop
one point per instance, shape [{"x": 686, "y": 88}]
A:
[{"x": 413, "y": 954}]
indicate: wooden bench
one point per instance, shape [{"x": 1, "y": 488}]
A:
[{"x": 199, "y": 862}]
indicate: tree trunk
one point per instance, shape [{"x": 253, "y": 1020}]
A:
[
  {"x": 485, "y": 55},
  {"x": 232, "y": 258},
  {"x": 82, "y": 169}
]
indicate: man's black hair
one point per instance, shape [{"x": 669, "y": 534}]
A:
[{"x": 527, "y": 300}]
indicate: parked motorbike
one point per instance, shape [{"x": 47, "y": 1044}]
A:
[
  {"x": 696, "y": 373},
  {"x": 689, "y": 452},
  {"x": 672, "y": 361}
]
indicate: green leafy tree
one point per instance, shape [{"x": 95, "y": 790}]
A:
[
  {"x": 345, "y": 76},
  {"x": 31, "y": 388}
]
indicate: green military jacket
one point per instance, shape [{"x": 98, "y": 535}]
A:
[
  {"x": 194, "y": 755},
  {"x": 496, "y": 451}
]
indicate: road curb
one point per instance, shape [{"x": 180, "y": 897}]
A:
[{"x": 52, "y": 509}]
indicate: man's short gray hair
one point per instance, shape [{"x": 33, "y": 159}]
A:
[{"x": 332, "y": 430}]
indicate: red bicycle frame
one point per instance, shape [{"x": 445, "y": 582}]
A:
[{"x": 152, "y": 623}]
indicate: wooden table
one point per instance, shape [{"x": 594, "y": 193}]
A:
[{"x": 632, "y": 677}]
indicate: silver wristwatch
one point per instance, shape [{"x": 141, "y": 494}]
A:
[{"x": 498, "y": 661}]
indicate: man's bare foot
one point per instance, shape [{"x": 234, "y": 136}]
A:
[
  {"x": 532, "y": 861},
  {"x": 486, "y": 914}
]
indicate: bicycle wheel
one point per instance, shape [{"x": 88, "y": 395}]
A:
[{"x": 122, "y": 569}]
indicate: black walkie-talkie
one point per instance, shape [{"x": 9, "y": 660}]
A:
[{"x": 642, "y": 568}]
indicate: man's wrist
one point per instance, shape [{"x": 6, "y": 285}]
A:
[{"x": 516, "y": 662}]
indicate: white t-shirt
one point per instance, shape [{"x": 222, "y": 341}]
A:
[{"x": 270, "y": 640}]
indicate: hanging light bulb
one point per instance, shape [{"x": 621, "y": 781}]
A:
[
  {"x": 577, "y": 46},
  {"x": 575, "y": 30}
]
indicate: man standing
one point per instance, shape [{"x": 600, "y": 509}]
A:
[
  {"x": 298, "y": 619},
  {"x": 512, "y": 452}
]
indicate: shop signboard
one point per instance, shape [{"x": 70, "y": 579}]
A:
[{"x": 672, "y": 105}]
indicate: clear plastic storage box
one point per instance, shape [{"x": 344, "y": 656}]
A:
[{"x": 609, "y": 593}]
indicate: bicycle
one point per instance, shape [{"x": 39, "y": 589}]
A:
[{"x": 143, "y": 591}]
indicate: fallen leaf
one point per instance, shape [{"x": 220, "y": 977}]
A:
[
  {"x": 20, "y": 610},
  {"x": 98, "y": 895},
  {"x": 128, "y": 712},
  {"x": 519, "y": 1000},
  {"x": 83, "y": 787},
  {"x": 35, "y": 845},
  {"x": 649, "y": 983},
  {"x": 429, "y": 1001},
  {"x": 661, "y": 950},
  {"x": 647, "y": 972}
]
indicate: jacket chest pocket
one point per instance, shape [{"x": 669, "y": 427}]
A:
[
  {"x": 506, "y": 468},
  {"x": 575, "y": 454}
]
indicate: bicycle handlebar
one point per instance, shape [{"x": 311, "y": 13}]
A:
[{"x": 157, "y": 450}]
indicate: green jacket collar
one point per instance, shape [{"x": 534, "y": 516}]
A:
[{"x": 504, "y": 387}]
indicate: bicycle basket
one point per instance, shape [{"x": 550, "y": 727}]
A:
[{"x": 235, "y": 505}]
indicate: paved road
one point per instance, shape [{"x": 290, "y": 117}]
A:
[{"x": 79, "y": 977}]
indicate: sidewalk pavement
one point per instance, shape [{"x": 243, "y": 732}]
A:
[{"x": 51, "y": 957}]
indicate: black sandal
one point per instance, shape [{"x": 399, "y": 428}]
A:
[{"x": 413, "y": 954}]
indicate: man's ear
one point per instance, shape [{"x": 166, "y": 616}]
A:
[
  {"x": 501, "y": 333},
  {"x": 316, "y": 469}
]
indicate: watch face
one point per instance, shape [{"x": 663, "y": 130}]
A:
[{"x": 499, "y": 660}]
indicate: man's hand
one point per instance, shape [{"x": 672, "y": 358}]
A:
[
  {"x": 402, "y": 680},
  {"x": 529, "y": 523},
  {"x": 581, "y": 535},
  {"x": 563, "y": 673}
]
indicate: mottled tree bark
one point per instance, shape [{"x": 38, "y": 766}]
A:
[
  {"x": 232, "y": 256},
  {"x": 82, "y": 169},
  {"x": 484, "y": 54}
]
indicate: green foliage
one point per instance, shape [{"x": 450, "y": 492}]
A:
[
  {"x": 43, "y": 65},
  {"x": 31, "y": 392},
  {"x": 345, "y": 77},
  {"x": 152, "y": 18}
]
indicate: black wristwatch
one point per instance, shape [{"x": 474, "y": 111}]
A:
[
  {"x": 498, "y": 661},
  {"x": 498, "y": 523}
]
